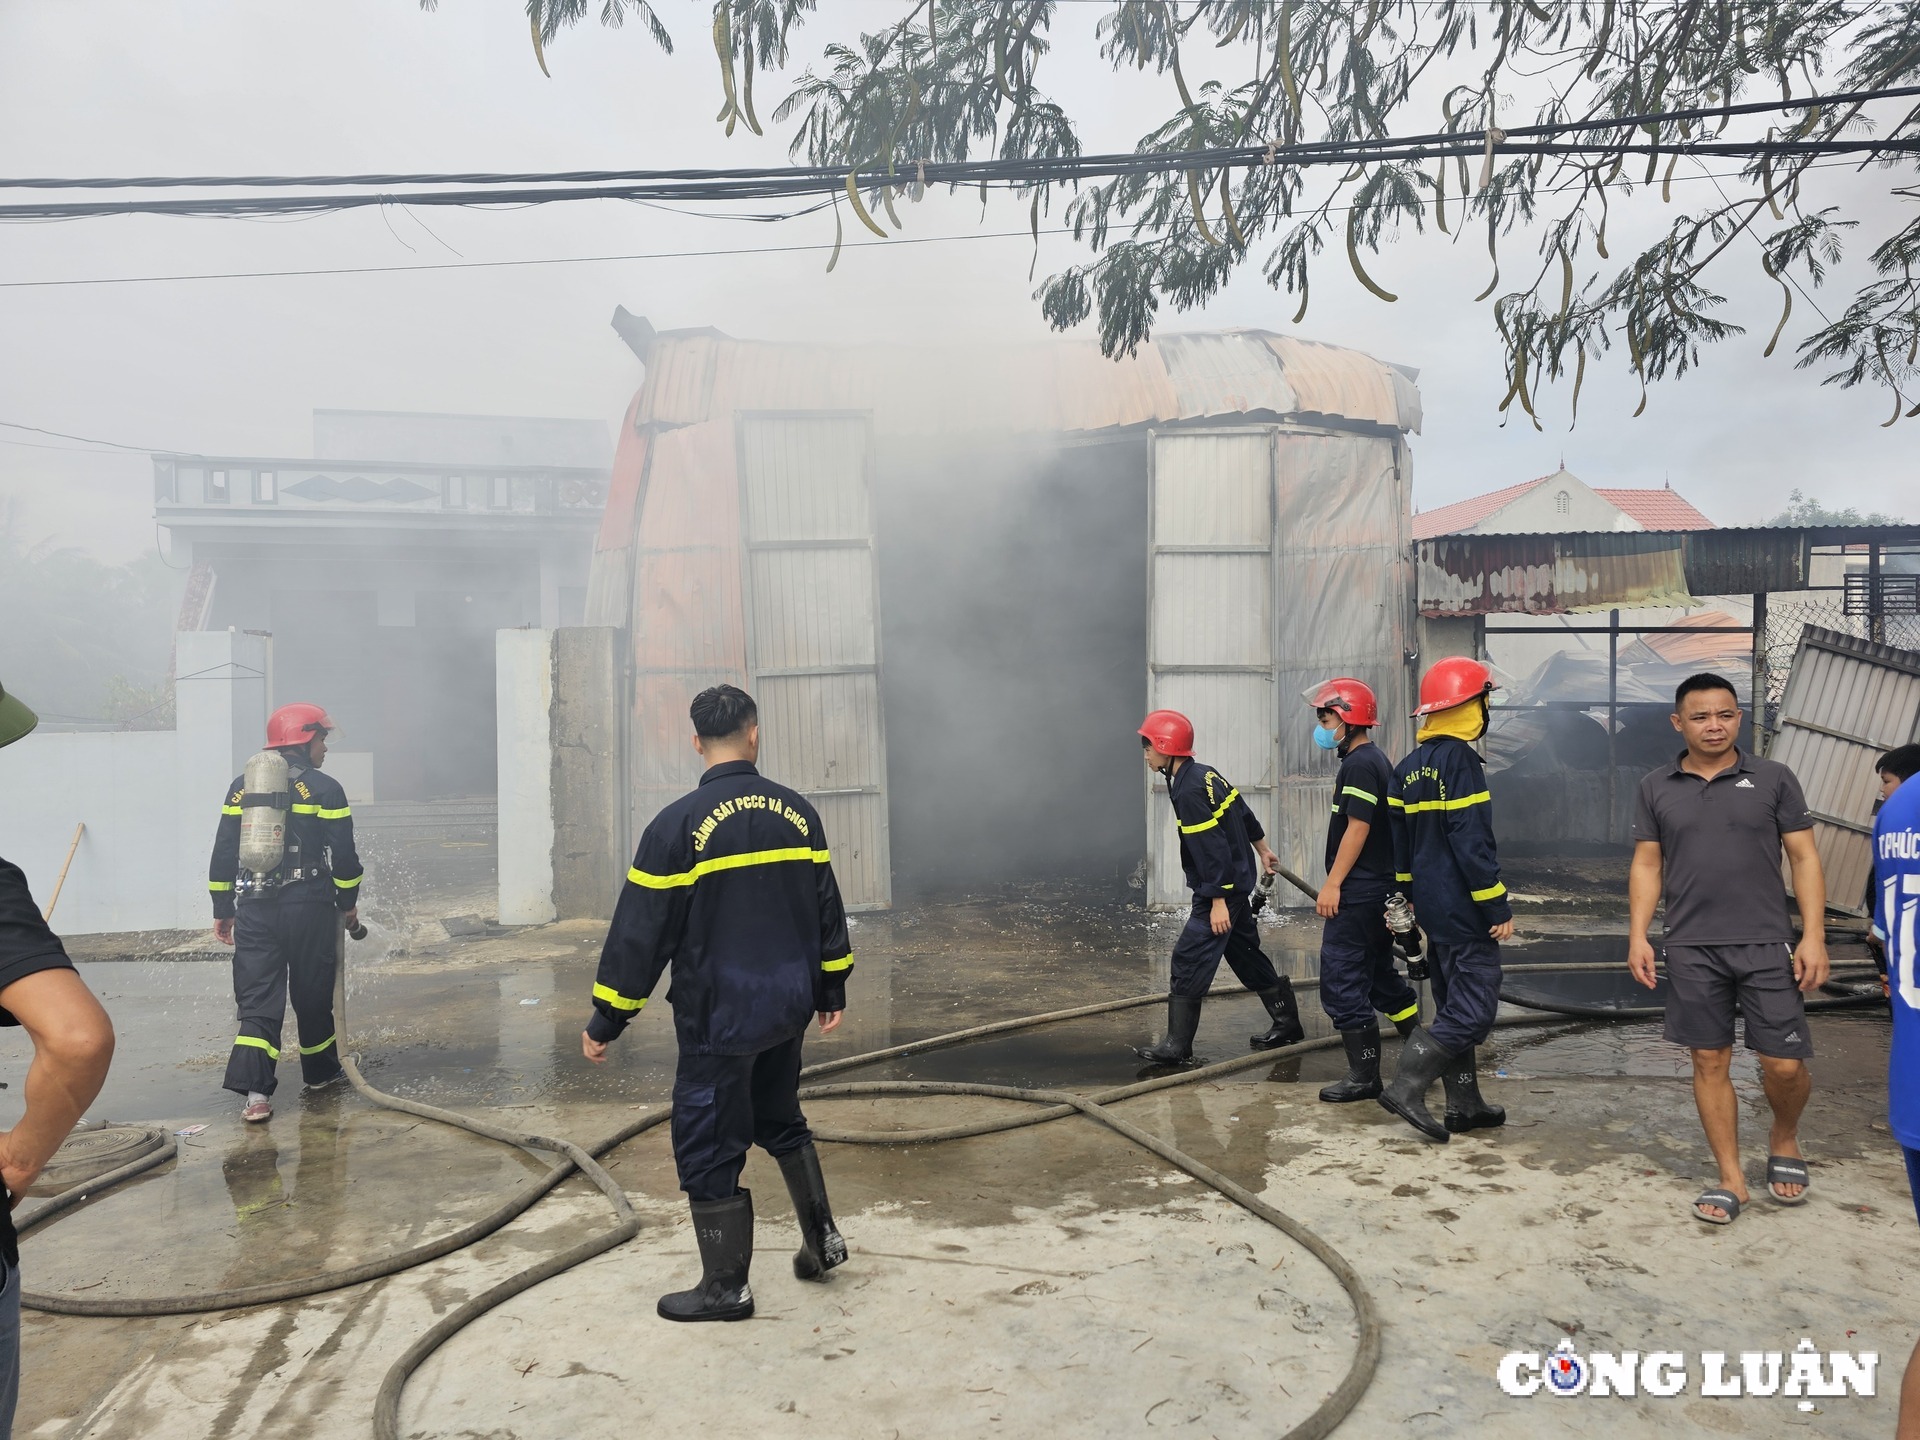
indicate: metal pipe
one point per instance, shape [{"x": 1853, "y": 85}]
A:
[{"x": 1613, "y": 715}]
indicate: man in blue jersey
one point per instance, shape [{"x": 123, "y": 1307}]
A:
[
  {"x": 1896, "y": 913},
  {"x": 1892, "y": 770}
]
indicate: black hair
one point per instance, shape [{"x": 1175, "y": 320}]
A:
[
  {"x": 722, "y": 711},
  {"x": 1902, "y": 762},
  {"x": 1705, "y": 680}
]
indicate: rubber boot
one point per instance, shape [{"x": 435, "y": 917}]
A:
[
  {"x": 1421, "y": 1062},
  {"x": 1286, "y": 1028},
  {"x": 1362, "y": 1080},
  {"x": 1183, "y": 1020},
  {"x": 1407, "y": 1024},
  {"x": 1465, "y": 1108},
  {"x": 724, "y": 1229},
  {"x": 821, "y": 1247}
]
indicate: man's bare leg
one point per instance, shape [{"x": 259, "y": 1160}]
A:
[
  {"x": 1788, "y": 1084},
  {"x": 1720, "y": 1117},
  {"x": 1910, "y": 1399}
]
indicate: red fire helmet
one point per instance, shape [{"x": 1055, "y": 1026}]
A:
[
  {"x": 1453, "y": 681},
  {"x": 297, "y": 724},
  {"x": 1170, "y": 732},
  {"x": 1353, "y": 700}
]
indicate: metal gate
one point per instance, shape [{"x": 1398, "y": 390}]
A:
[
  {"x": 1847, "y": 702},
  {"x": 1210, "y": 619},
  {"x": 813, "y": 637}
]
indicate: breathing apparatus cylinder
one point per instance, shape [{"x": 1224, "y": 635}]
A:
[{"x": 263, "y": 812}]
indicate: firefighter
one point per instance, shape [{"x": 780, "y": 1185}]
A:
[
  {"x": 284, "y": 924},
  {"x": 734, "y": 885},
  {"x": 1445, "y": 857},
  {"x": 1357, "y": 975},
  {"x": 1217, "y": 833}
]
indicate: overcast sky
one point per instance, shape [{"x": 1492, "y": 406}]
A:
[{"x": 236, "y": 366}]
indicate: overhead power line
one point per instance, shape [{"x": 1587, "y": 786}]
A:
[
  {"x": 665, "y": 186},
  {"x": 837, "y": 174}
]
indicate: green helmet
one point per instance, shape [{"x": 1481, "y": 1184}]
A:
[{"x": 15, "y": 718}]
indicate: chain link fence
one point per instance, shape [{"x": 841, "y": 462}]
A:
[{"x": 1788, "y": 612}]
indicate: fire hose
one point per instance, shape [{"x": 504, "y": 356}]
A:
[{"x": 1046, "y": 1106}]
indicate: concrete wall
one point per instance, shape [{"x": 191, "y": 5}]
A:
[
  {"x": 150, "y": 800},
  {"x": 523, "y": 690},
  {"x": 589, "y": 699},
  {"x": 560, "y": 695}
]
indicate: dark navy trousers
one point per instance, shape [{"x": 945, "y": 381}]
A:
[
  {"x": 281, "y": 947},
  {"x": 1357, "y": 976},
  {"x": 1466, "y": 992},
  {"x": 1196, "y": 954},
  {"x": 724, "y": 1103}
]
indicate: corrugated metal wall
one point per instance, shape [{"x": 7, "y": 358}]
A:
[
  {"x": 813, "y": 639},
  {"x": 1847, "y": 702},
  {"x": 1278, "y": 559},
  {"x": 1210, "y": 618}
]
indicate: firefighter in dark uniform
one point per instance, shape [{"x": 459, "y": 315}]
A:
[
  {"x": 1357, "y": 974},
  {"x": 1446, "y": 858},
  {"x": 1218, "y": 836},
  {"x": 286, "y": 933},
  {"x": 733, "y": 884}
]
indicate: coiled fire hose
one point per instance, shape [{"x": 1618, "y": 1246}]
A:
[{"x": 1048, "y": 1105}]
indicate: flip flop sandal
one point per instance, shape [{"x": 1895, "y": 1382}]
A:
[
  {"x": 1725, "y": 1199},
  {"x": 1787, "y": 1170}
]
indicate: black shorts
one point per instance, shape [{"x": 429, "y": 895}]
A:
[{"x": 1704, "y": 981}]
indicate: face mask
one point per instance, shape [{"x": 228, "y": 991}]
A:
[{"x": 1325, "y": 738}]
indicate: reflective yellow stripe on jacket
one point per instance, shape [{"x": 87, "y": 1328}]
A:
[
  {"x": 1232, "y": 795},
  {"x": 614, "y": 998},
  {"x": 1462, "y": 803},
  {"x": 729, "y": 862}
]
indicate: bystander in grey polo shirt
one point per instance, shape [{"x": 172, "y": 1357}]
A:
[{"x": 1720, "y": 849}]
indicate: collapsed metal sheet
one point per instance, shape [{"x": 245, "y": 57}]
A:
[{"x": 1847, "y": 702}]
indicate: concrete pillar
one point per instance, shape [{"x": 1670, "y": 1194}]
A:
[
  {"x": 220, "y": 719},
  {"x": 523, "y": 697},
  {"x": 589, "y": 865}
]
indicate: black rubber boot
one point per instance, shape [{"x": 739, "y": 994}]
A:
[
  {"x": 1408, "y": 1025},
  {"x": 1421, "y": 1062},
  {"x": 821, "y": 1247},
  {"x": 724, "y": 1229},
  {"x": 1183, "y": 1020},
  {"x": 1362, "y": 1081},
  {"x": 1465, "y": 1108},
  {"x": 1286, "y": 1028}
]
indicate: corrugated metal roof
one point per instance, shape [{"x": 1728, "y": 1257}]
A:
[
  {"x": 1548, "y": 574},
  {"x": 1066, "y": 385},
  {"x": 1595, "y": 570}
]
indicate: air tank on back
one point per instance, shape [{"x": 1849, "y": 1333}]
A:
[{"x": 263, "y": 812}]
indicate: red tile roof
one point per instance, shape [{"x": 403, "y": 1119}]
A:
[
  {"x": 1662, "y": 509},
  {"x": 1465, "y": 513},
  {"x": 1657, "y": 509}
]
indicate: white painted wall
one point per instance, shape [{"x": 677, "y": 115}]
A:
[
  {"x": 1538, "y": 511},
  {"x": 150, "y": 800},
  {"x": 523, "y": 698}
]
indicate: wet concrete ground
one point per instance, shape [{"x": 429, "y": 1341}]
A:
[{"x": 1051, "y": 1279}]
